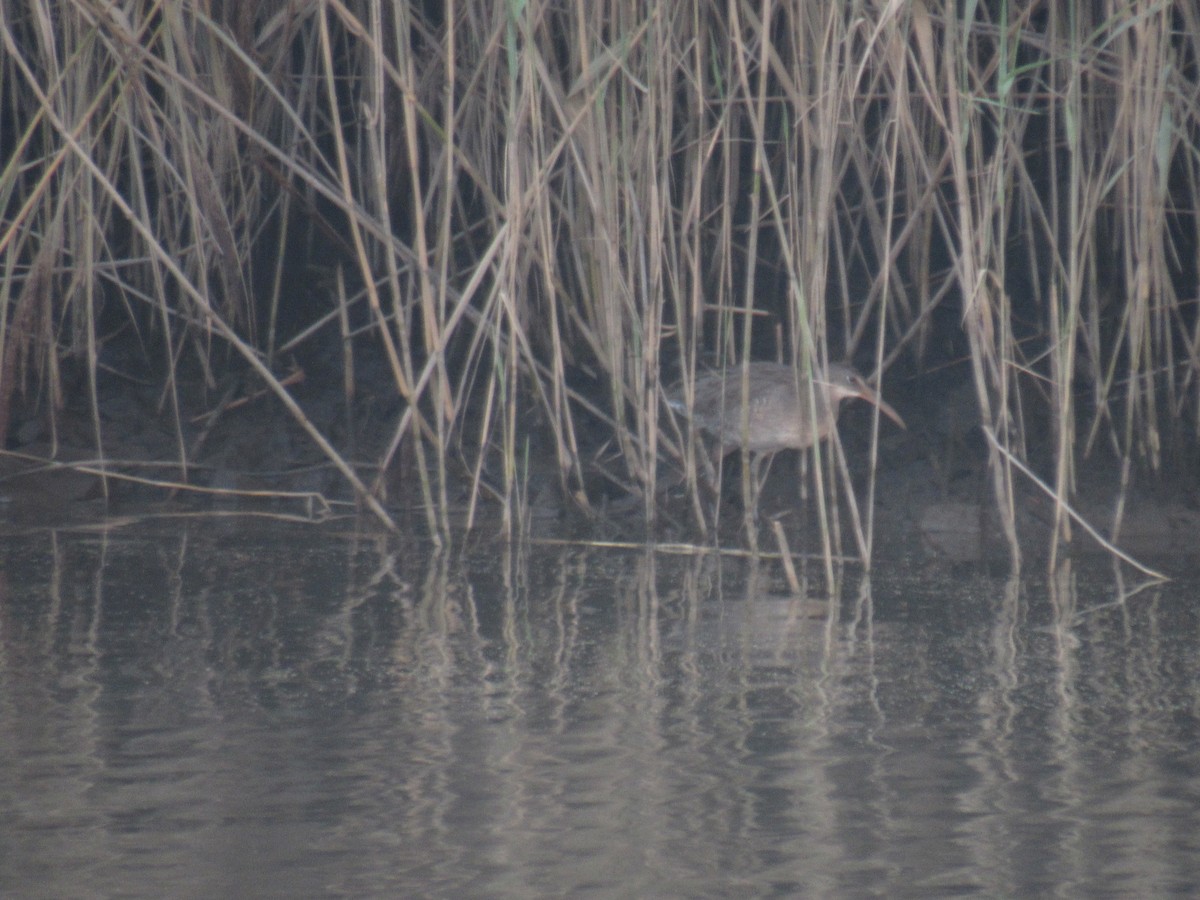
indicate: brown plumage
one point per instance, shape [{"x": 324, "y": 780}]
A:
[{"x": 780, "y": 415}]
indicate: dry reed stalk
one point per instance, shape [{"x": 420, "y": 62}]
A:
[{"x": 528, "y": 192}]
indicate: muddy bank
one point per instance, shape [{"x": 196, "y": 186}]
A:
[{"x": 933, "y": 497}]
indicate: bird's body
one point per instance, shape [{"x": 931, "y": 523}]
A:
[{"x": 780, "y": 412}]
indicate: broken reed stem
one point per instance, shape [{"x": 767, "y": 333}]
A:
[
  {"x": 785, "y": 555},
  {"x": 1066, "y": 509}
]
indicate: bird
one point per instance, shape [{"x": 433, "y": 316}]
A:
[{"x": 780, "y": 414}]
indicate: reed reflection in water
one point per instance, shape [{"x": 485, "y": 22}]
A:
[{"x": 292, "y": 713}]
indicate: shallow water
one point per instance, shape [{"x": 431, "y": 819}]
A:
[{"x": 240, "y": 710}]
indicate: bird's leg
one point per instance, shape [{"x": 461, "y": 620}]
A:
[
  {"x": 802, "y": 479},
  {"x": 761, "y": 481},
  {"x": 750, "y": 499},
  {"x": 710, "y": 461},
  {"x": 712, "y": 467},
  {"x": 750, "y": 464}
]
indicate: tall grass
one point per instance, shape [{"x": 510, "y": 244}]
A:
[{"x": 551, "y": 211}]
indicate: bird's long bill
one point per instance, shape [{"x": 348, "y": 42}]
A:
[{"x": 868, "y": 394}]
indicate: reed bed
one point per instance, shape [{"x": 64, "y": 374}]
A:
[{"x": 548, "y": 213}]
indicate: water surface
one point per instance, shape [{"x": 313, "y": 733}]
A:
[{"x": 243, "y": 710}]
